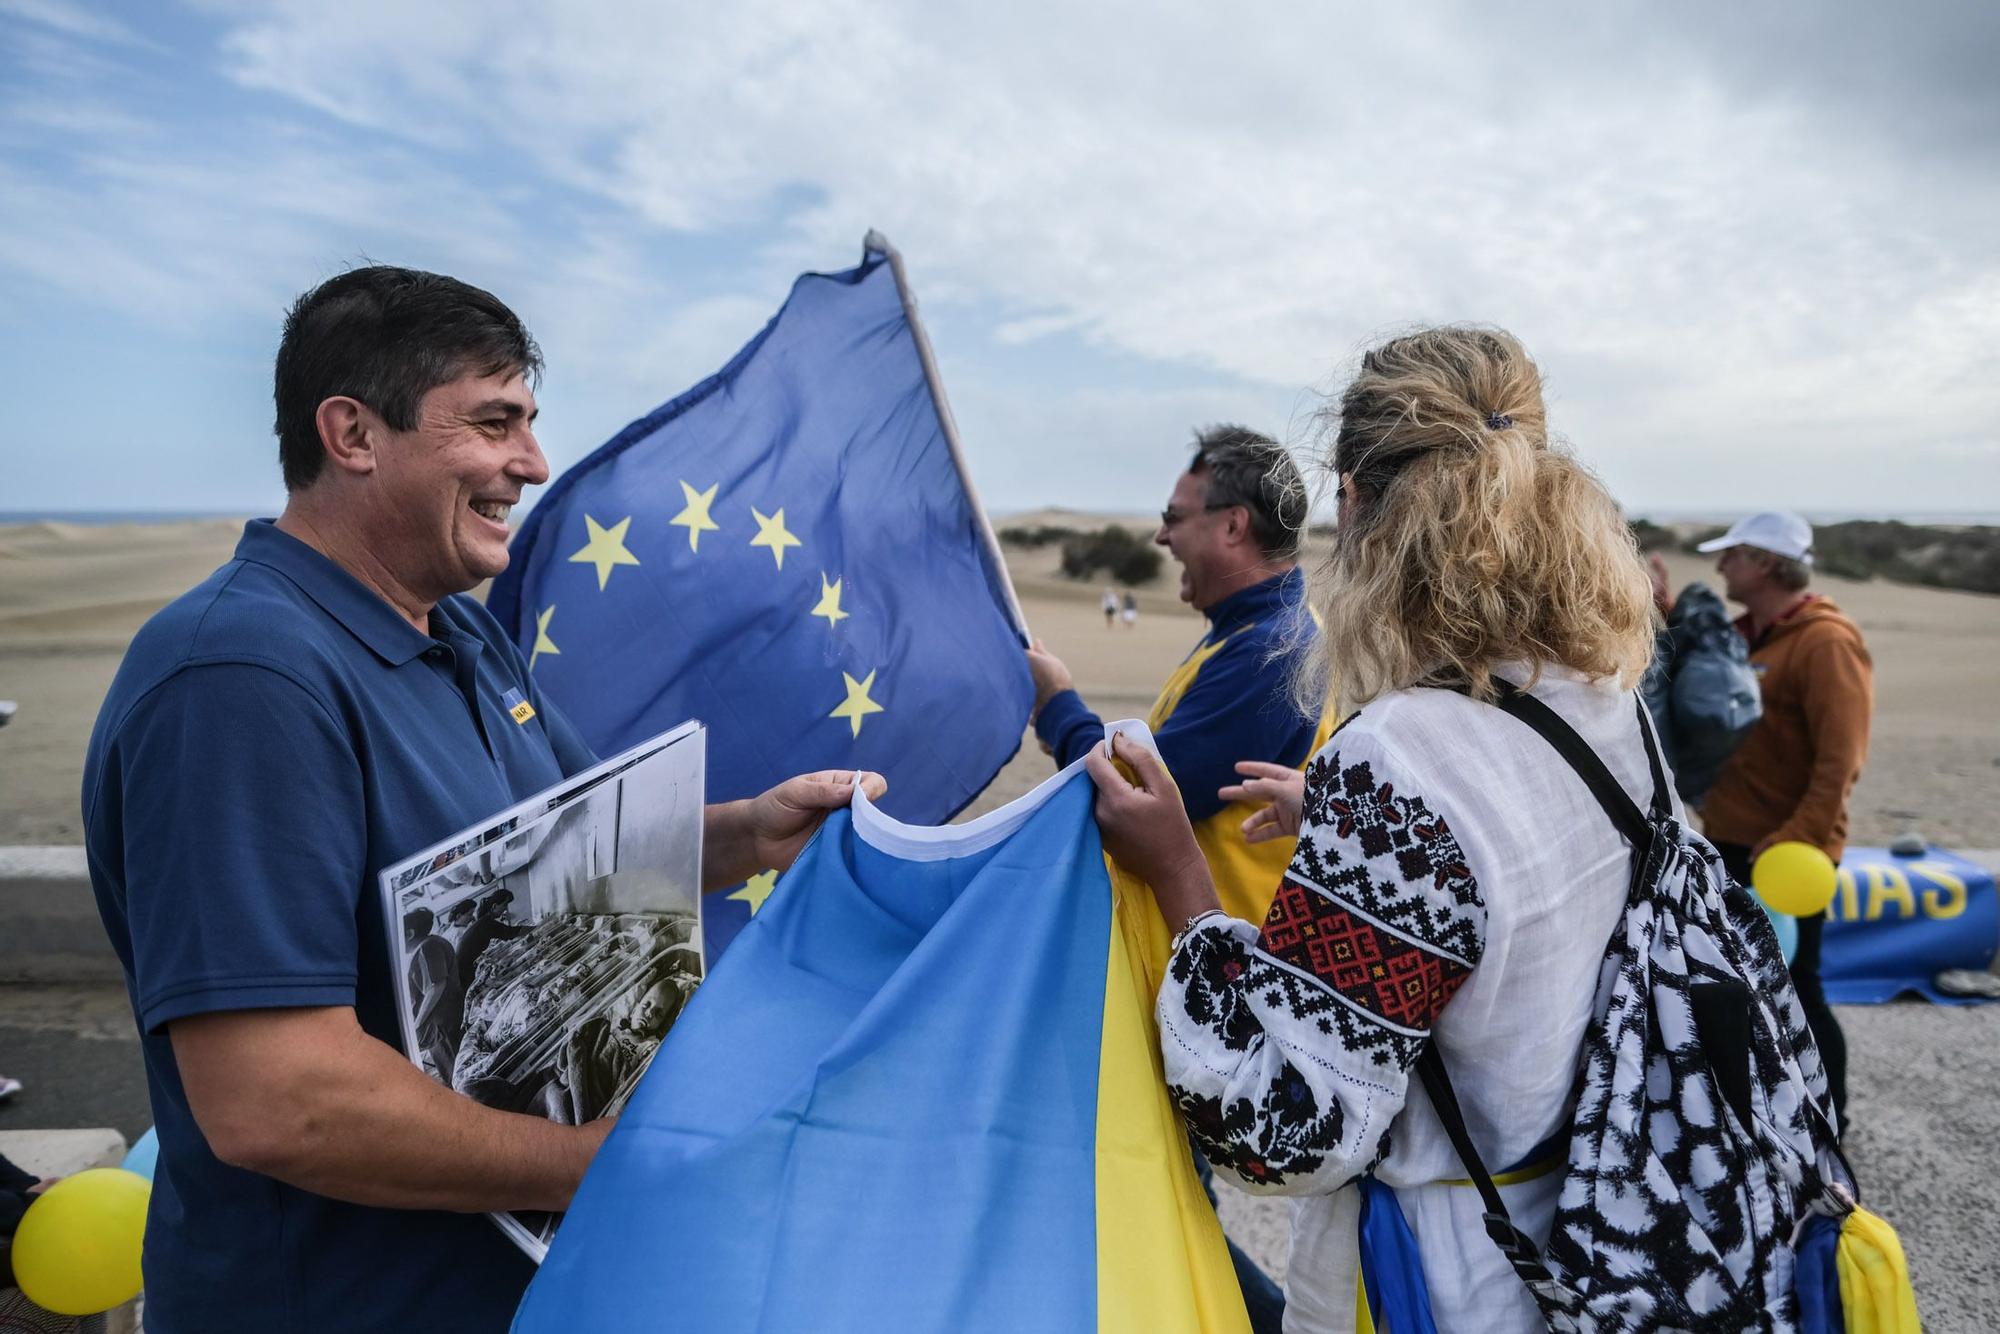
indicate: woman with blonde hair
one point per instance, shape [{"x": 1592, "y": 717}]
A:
[{"x": 1454, "y": 884}]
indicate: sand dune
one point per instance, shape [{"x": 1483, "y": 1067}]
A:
[{"x": 72, "y": 595}]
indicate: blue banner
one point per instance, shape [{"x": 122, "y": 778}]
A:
[
  {"x": 787, "y": 552},
  {"x": 1897, "y": 922}
]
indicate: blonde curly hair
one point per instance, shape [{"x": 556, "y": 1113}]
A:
[{"x": 1467, "y": 538}]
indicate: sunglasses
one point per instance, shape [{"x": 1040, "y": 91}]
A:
[{"x": 1171, "y": 516}]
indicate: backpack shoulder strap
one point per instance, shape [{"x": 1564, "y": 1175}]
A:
[
  {"x": 1617, "y": 803},
  {"x": 1550, "y": 1296},
  {"x": 1558, "y": 1304},
  {"x": 1662, "y": 804}
]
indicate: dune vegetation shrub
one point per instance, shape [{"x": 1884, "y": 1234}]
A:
[
  {"x": 1040, "y": 535},
  {"x": 1118, "y": 551},
  {"x": 1653, "y": 537},
  {"x": 1967, "y": 559}
]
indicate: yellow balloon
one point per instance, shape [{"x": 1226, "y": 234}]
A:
[
  {"x": 1794, "y": 878},
  {"x": 76, "y": 1251}
]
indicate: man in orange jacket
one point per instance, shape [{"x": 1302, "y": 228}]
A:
[{"x": 1790, "y": 779}]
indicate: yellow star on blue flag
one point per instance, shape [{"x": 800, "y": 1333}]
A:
[
  {"x": 771, "y": 533},
  {"x": 694, "y": 514},
  {"x": 543, "y": 644},
  {"x": 756, "y": 889},
  {"x": 606, "y": 548},
  {"x": 829, "y": 601},
  {"x": 857, "y": 705}
]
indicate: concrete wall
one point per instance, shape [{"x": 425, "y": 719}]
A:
[{"x": 49, "y": 930}]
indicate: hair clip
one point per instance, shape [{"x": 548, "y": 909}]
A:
[{"x": 1498, "y": 421}]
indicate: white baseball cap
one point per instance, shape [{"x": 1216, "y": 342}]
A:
[{"x": 1775, "y": 531}]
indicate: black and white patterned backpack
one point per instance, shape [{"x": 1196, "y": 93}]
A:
[{"x": 1702, "y": 1135}]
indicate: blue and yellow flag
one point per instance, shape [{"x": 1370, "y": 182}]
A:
[
  {"x": 789, "y": 552},
  {"x": 925, "y": 1093}
]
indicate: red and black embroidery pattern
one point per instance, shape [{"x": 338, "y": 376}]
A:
[
  {"x": 1312, "y": 1002},
  {"x": 1375, "y": 928},
  {"x": 1410, "y": 873},
  {"x": 1285, "y": 1133},
  {"x": 1288, "y": 1135},
  {"x": 1376, "y": 970},
  {"x": 1214, "y": 991}
]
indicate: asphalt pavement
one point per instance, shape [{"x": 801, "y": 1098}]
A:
[
  {"x": 1925, "y": 1102},
  {"x": 76, "y": 1051},
  {"x": 1924, "y": 1099}
]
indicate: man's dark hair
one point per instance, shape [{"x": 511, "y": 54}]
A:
[
  {"x": 419, "y": 921},
  {"x": 386, "y": 337},
  {"x": 1253, "y": 470}
]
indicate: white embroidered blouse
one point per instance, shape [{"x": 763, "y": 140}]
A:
[{"x": 1454, "y": 882}]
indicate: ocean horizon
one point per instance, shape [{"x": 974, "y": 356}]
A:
[{"x": 93, "y": 518}]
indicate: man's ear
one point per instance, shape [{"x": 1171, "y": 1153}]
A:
[
  {"x": 1236, "y": 524},
  {"x": 348, "y": 432}
]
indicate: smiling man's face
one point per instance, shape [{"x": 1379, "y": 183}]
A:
[
  {"x": 1197, "y": 537},
  {"x": 445, "y": 486}
]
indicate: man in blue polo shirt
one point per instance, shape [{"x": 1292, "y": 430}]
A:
[{"x": 328, "y": 702}]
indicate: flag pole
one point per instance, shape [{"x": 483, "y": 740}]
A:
[{"x": 877, "y": 242}]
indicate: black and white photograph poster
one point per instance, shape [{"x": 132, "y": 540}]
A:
[{"x": 544, "y": 954}]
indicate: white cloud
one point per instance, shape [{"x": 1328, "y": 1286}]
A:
[
  {"x": 187, "y": 237},
  {"x": 1116, "y": 449},
  {"x": 1720, "y": 275},
  {"x": 72, "y": 20}
]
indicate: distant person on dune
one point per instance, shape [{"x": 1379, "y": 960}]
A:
[
  {"x": 1130, "y": 610},
  {"x": 1233, "y": 524},
  {"x": 1110, "y": 608},
  {"x": 1790, "y": 779}
]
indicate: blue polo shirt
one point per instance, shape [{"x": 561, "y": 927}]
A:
[
  {"x": 272, "y": 740},
  {"x": 1229, "y": 700}
]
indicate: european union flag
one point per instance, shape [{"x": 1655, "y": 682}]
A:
[{"x": 791, "y": 553}]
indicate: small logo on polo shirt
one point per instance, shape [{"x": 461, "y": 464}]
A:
[{"x": 518, "y": 707}]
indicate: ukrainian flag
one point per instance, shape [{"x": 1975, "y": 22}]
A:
[{"x": 921, "y": 1092}]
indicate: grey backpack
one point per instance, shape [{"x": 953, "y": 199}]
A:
[{"x": 1702, "y": 690}]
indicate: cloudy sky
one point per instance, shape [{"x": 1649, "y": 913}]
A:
[{"x": 1752, "y": 245}]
